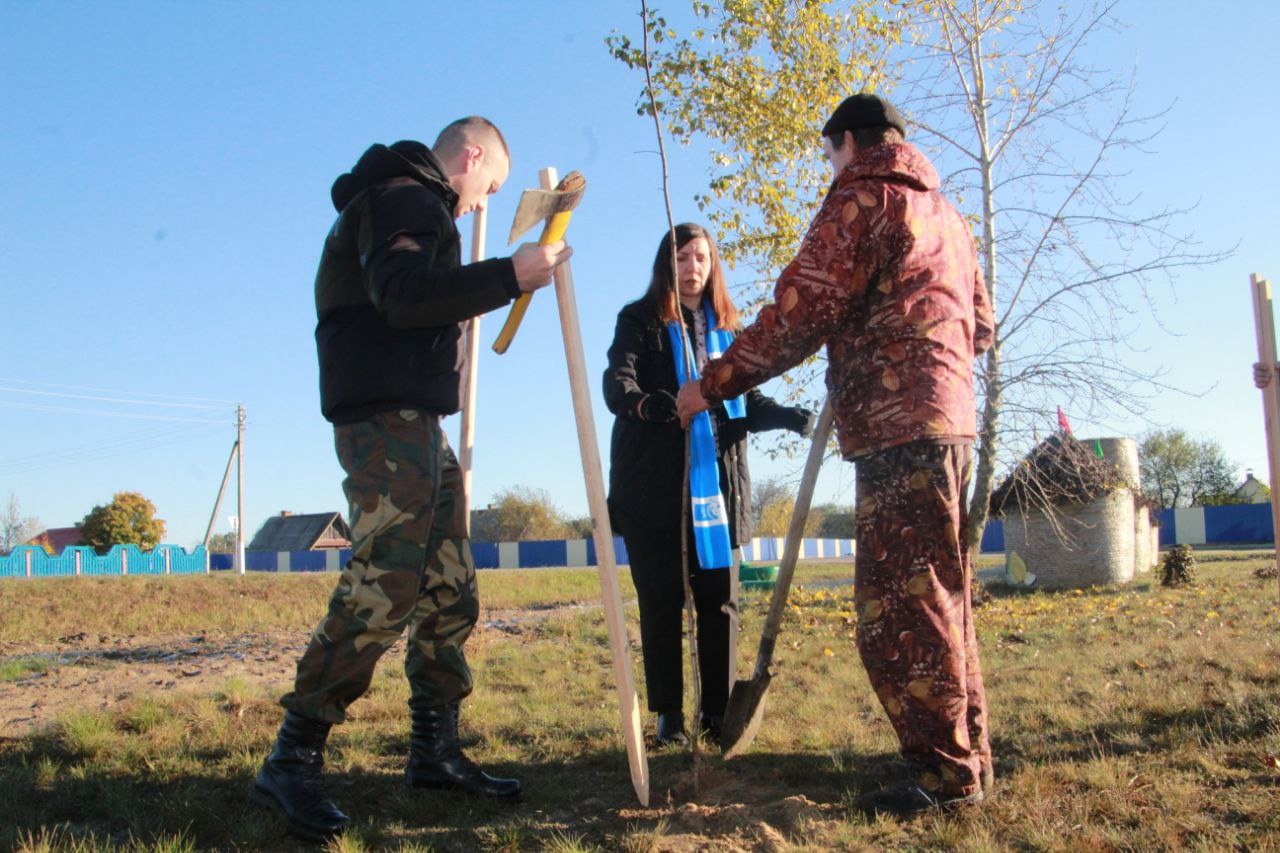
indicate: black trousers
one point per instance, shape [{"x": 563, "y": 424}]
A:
[{"x": 655, "y": 569}]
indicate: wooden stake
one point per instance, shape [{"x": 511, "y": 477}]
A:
[
  {"x": 602, "y": 533},
  {"x": 467, "y": 430},
  {"x": 1265, "y": 328}
]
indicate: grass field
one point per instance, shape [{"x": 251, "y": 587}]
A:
[{"x": 1130, "y": 718}]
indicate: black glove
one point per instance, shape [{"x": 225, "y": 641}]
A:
[
  {"x": 659, "y": 407},
  {"x": 800, "y": 421}
]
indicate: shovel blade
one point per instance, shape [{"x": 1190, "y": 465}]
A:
[{"x": 743, "y": 715}]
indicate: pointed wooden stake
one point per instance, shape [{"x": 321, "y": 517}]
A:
[
  {"x": 602, "y": 532},
  {"x": 1265, "y": 327},
  {"x": 467, "y": 429}
]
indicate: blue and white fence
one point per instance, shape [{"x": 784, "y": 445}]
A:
[
  {"x": 1239, "y": 524},
  {"x": 27, "y": 561},
  {"x": 572, "y": 553},
  {"x": 1207, "y": 525},
  {"x": 1248, "y": 523}
]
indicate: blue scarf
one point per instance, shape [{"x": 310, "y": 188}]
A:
[{"x": 710, "y": 521}]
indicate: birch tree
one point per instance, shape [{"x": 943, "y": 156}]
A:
[{"x": 1034, "y": 139}]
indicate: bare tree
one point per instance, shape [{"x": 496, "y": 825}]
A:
[
  {"x": 765, "y": 493},
  {"x": 1002, "y": 90},
  {"x": 15, "y": 528}
]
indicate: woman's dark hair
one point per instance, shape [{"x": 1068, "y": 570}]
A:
[{"x": 662, "y": 287}]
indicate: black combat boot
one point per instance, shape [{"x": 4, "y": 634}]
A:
[
  {"x": 910, "y": 799},
  {"x": 710, "y": 725},
  {"x": 291, "y": 780},
  {"x": 436, "y": 759},
  {"x": 671, "y": 729}
]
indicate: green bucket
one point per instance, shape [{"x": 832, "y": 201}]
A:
[{"x": 757, "y": 576}]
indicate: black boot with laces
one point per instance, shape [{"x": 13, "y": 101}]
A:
[
  {"x": 291, "y": 781},
  {"x": 436, "y": 759}
]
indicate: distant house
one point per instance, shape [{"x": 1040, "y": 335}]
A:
[
  {"x": 55, "y": 540},
  {"x": 317, "y": 531},
  {"x": 1252, "y": 491}
]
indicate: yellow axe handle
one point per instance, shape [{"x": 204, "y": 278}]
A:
[{"x": 552, "y": 232}]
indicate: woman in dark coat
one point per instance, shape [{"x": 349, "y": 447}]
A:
[{"x": 647, "y": 468}]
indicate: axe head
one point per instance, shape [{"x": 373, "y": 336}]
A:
[{"x": 539, "y": 205}]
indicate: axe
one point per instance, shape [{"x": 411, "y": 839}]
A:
[{"x": 555, "y": 207}]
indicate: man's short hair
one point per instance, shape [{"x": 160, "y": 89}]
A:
[
  {"x": 868, "y": 137},
  {"x": 458, "y": 134}
]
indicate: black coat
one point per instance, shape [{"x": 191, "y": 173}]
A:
[
  {"x": 391, "y": 291},
  {"x": 646, "y": 455}
]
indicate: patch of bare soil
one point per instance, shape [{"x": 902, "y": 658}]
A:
[
  {"x": 99, "y": 672},
  {"x": 731, "y": 813},
  {"x": 83, "y": 672}
]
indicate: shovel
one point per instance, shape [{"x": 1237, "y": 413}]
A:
[{"x": 745, "y": 711}]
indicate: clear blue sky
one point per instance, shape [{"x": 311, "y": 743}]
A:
[{"x": 166, "y": 170}]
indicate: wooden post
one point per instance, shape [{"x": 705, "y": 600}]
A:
[
  {"x": 240, "y": 488},
  {"x": 601, "y": 530},
  {"x": 1265, "y": 329},
  {"x": 467, "y": 429},
  {"x": 217, "y": 503}
]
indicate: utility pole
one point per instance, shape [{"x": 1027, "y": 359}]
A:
[{"x": 240, "y": 488}]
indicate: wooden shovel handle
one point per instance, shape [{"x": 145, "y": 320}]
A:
[
  {"x": 602, "y": 533},
  {"x": 795, "y": 534}
]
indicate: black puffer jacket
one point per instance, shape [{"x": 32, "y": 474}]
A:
[
  {"x": 646, "y": 455},
  {"x": 391, "y": 293}
]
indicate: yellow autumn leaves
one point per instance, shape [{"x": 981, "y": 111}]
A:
[{"x": 1019, "y": 617}]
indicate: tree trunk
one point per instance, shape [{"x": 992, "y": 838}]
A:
[
  {"x": 985, "y": 467},
  {"x": 988, "y": 441}
]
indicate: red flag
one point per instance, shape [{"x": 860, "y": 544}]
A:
[{"x": 1062, "y": 421}]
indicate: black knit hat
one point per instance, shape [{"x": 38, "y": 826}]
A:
[{"x": 863, "y": 110}]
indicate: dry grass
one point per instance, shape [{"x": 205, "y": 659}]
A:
[{"x": 1135, "y": 718}]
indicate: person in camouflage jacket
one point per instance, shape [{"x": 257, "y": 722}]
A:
[
  {"x": 887, "y": 279},
  {"x": 391, "y": 294}
]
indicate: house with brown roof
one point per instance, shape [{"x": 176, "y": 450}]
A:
[
  {"x": 288, "y": 531},
  {"x": 55, "y": 540}
]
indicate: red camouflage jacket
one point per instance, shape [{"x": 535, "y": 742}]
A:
[{"x": 888, "y": 278}]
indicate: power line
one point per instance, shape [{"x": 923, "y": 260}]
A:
[
  {"x": 143, "y": 435},
  {"x": 121, "y": 447},
  {"x": 115, "y": 391},
  {"x": 162, "y": 403},
  {"x": 106, "y": 414}
]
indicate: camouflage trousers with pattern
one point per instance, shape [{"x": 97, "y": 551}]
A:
[
  {"x": 915, "y": 616},
  {"x": 410, "y": 567}
]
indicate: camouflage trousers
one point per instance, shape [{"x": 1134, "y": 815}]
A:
[
  {"x": 410, "y": 567},
  {"x": 915, "y": 615}
]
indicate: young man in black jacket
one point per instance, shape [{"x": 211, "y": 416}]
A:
[{"x": 391, "y": 295}]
